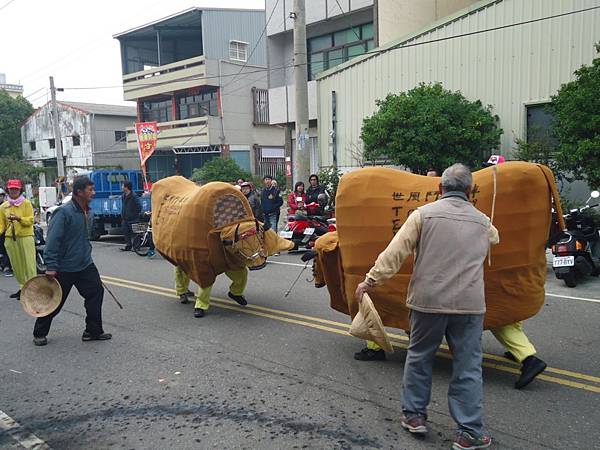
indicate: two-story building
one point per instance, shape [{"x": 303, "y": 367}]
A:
[
  {"x": 92, "y": 136},
  {"x": 202, "y": 75}
]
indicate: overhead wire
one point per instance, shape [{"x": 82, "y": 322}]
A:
[
  {"x": 255, "y": 45},
  {"x": 6, "y": 4},
  {"x": 377, "y": 51}
]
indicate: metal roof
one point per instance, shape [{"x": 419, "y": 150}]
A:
[
  {"x": 104, "y": 110},
  {"x": 181, "y": 13}
]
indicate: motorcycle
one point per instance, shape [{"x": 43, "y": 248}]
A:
[
  {"x": 307, "y": 225},
  {"x": 40, "y": 245},
  {"x": 577, "y": 252}
]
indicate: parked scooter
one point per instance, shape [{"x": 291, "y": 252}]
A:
[
  {"x": 577, "y": 252},
  {"x": 307, "y": 225},
  {"x": 40, "y": 245}
]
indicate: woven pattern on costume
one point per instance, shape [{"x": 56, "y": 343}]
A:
[{"x": 228, "y": 209}]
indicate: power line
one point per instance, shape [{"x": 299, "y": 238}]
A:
[
  {"x": 349, "y": 18},
  {"x": 34, "y": 92},
  {"x": 399, "y": 46},
  {"x": 255, "y": 45},
  {"x": 6, "y": 4}
]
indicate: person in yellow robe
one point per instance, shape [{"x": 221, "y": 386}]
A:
[{"x": 16, "y": 224}]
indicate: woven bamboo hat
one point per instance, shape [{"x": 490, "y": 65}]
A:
[
  {"x": 368, "y": 325},
  {"x": 40, "y": 296}
]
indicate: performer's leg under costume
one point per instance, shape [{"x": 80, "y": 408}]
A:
[
  {"x": 239, "y": 279},
  {"x": 182, "y": 281},
  {"x": 514, "y": 339}
]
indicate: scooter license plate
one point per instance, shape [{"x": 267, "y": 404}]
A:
[
  {"x": 563, "y": 261},
  {"x": 309, "y": 231},
  {"x": 286, "y": 234}
]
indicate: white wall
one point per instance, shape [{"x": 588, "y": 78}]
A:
[{"x": 507, "y": 69}]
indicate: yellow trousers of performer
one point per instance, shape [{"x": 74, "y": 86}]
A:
[
  {"x": 182, "y": 281},
  {"x": 239, "y": 279},
  {"x": 514, "y": 339},
  {"x": 21, "y": 252}
]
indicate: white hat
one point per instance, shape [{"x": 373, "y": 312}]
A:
[{"x": 368, "y": 325}]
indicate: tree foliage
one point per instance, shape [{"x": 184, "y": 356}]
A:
[
  {"x": 13, "y": 168},
  {"x": 220, "y": 169},
  {"x": 12, "y": 112},
  {"x": 576, "y": 126},
  {"x": 330, "y": 178},
  {"x": 430, "y": 127}
]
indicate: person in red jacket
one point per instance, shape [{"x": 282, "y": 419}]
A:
[{"x": 297, "y": 199}]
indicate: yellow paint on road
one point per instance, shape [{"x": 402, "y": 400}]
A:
[{"x": 342, "y": 328}]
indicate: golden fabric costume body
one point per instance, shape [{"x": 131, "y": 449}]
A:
[
  {"x": 208, "y": 230},
  {"x": 373, "y": 203}
]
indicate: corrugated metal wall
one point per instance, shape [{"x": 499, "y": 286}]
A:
[
  {"x": 221, "y": 26},
  {"x": 507, "y": 68}
]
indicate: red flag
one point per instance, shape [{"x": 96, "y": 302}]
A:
[{"x": 147, "y": 137}]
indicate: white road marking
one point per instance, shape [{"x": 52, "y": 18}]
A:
[
  {"x": 26, "y": 439},
  {"x": 285, "y": 263},
  {"x": 582, "y": 299},
  {"x": 14, "y": 371}
]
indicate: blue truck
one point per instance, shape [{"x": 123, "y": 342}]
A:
[{"x": 106, "y": 205}]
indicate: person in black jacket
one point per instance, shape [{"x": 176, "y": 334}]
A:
[
  {"x": 254, "y": 201},
  {"x": 312, "y": 194},
  {"x": 271, "y": 201},
  {"x": 131, "y": 209}
]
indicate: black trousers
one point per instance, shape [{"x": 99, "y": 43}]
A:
[
  {"x": 128, "y": 233},
  {"x": 89, "y": 286}
]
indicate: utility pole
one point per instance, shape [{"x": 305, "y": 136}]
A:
[
  {"x": 60, "y": 162},
  {"x": 301, "y": 156}
]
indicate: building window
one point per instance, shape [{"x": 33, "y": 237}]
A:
[
  {"x": 32, "y": 146},
  {"x": 330, "y": 50},
  {"x": 52, "y": 143},
  {"x": 238, "y": 51},
  {"x": 76, "y": 141},
  {"x": 157, "y": 111},
  {"x": 120, "y": 136},
  {"x": 197, "y": 105},
  {"x": 260, "y": 99}
]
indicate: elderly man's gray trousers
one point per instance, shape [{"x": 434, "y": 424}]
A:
[{"x": 465, "y": 394}]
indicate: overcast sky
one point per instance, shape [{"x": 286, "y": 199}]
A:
[{"x": 72, "y": 40}]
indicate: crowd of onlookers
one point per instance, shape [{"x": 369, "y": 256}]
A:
[{"x": 266, "y": 204}]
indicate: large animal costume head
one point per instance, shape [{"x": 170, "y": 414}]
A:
[
  {"x": 372, "y": 204},
  {"x": 209, "y": 230}
]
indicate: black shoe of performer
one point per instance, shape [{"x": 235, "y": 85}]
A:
[
  {"x": 531, "y": 368},
  {"x": 40, "y": 341},
  {"x": 16, "y": 295},
  {"x": 240, "y": 299},
  {"x": 95, "y": 337},
  {"x": 183, "y": 298},
  {"x": 198, "y": 312},
  {"x": 367, "y": 354}
]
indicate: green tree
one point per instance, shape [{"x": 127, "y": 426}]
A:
[
  {"x": 13, "y": 168},
  {"x": 576, "y": 109},
  {"x": 330, "y": 178},
  {"x": 12, "y": 112},
  {"x": 430, "y": 127},
  {"x": 220, "y": 169}
]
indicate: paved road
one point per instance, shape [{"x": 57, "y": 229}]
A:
[{"x": 276, "y": 374}]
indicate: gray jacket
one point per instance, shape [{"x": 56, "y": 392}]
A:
[
  {"x": 68, "y": 248},
  {"x": 448, "y": 272}
]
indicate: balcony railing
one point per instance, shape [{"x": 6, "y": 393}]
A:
[
  {"x": 187, "y": 132},
  {"x": 167, "y": 78}
]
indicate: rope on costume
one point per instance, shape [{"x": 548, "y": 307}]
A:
[{"x": 493, "y": 211}]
